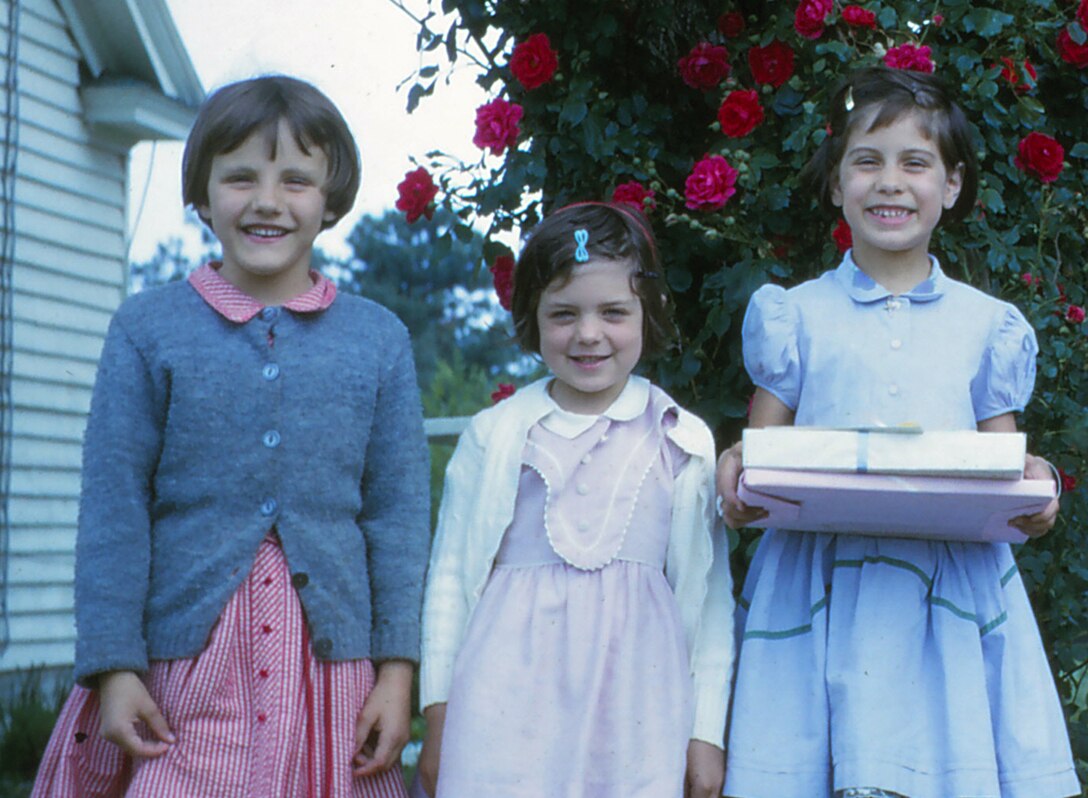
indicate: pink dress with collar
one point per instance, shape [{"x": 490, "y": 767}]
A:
[
  {"x": 255, "y": 714},
  {"x": 573, "y": 679}
]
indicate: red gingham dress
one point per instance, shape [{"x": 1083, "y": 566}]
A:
[{"x": 255, "y": 714}]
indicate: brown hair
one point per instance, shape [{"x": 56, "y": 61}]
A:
[
  {"x": 895, "y": 93},
  {"x": 235, "y": 112},
  {"x": 615, "y": 232}
]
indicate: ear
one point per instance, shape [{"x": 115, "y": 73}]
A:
[
  {"x": 205, "y": 213},
  {"x": 328, "y": 217},
  {"x": 953, "y": 186},
  {"x": 836, "y": 190}
]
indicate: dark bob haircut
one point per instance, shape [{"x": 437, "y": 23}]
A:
[
  {"x": 616, "y": 232},
  {"x": 894, "y": 93},
  {"x": 235, "y": 112}
]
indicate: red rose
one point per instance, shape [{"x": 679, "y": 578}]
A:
[
  {"x": 731, "y": 24},
  {"x": 1069, "y": 482},
  {"x": 1028, "y": 279},
  {"x": 504, "y": 391},
  {"x": 1071, "y": 52},
  {"x": 809, "y": 18},
  {"x": 497, "y": 125},
  {"x": 1082, "y": 14},
  {"x": 859, "y": 17},
  {"x": 636, "y": 195},
  {"x": 533, "y": 61},
  {"x": 844, "y": 238},
  {"x": 710, "y": 184},
  {"x": 1010, "y": 73},
  {"x": 502, "y": 276},
  {"x": 938, "y": 20},
  {"x": 416, "y": 193},
  {"x": 1074, "y": 314},
  {"x": 705, "y": 66},
  {"x": 740, "y": 113},
  {"x": 910, "y": 56},
  {"x": 1040, "y": 155},
  {"x": 772, "y": 64}
]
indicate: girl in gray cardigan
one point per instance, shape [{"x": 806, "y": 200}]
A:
[{"x": 253, "y": 524}]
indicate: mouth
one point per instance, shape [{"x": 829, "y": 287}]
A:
[
  {"x": 588, "y": 361},
  {"x": 264, "y": 232},
  {"x": 890, "y": 213}
]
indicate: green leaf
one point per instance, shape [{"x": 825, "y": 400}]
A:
[
  {"x": 1080, "y": 150},
  {"x": 986, "y": 22},
  {"x": 573, "y": 112}
]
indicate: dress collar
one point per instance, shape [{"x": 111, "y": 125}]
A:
[
  {"x": 234, "y": 304},
  {"x": 863, "y": 288},
  {"x": 628, "y": 405}
]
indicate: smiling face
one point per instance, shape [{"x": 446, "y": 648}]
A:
[
  {"x": 591, "y": 334},
  {"x": 892, "y": 187},
  {"x": 266, "y": 212}
]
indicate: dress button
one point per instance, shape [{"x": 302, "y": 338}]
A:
[
  {"x": 893, "y": 389},
  {"x": 267, "y": 580},
  {"x": 582, "y": 489},
  {"x": 269, "y": 506},
  {"x": 261, "y": 717},
  {"x": 323, "y": 647},
  {"x": 896, "y": 343},
  {"x": 583, "y": 526},
  {"x": 586, "y": 460},
  {"x": 300, "y": 580},
  {"x": 271, "y": 439},
  {"x": 269, "y": 313},
  {"x": 271, "y": 371},
  {"x": 266, "y": 629},
  {"x": 263, "y": 674}
]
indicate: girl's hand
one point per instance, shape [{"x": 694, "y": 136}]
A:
[
  {"x": 736, "y": 513},
  {"x": 429, "y": 757},
  {"x": 384, "y": 724},
  {"x": 123, "y": 702},
  {"x": 706, "y": 770},
  {"x": 1041, "y": 522}
]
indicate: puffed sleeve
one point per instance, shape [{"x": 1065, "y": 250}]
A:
[
  {"x": 771, "y": 354},
  {"x": 1006, "y": 376}
]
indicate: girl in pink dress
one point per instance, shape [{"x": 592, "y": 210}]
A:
[
  {"x": 252, "y": 541},
  {"x": 578, "y": 611}
]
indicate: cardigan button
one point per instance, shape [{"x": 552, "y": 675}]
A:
[
  {"x": 269, "y": 313},
  {"x": 269, "y": 507},
  {"x": 270, "y": 371},
  {"x": 323, "y": 647},
  {"x": 271, "y": 439},
  {"x": 300, "y": 580}
]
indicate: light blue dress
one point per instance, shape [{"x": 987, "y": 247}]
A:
[{"x": 908, "y": 665}]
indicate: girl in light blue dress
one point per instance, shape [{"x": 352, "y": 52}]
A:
[{"x": 878, "y": 666}]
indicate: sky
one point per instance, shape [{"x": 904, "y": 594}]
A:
[{"x": 356, "y": 51}]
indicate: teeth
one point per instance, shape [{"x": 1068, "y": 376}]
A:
[
  {"x": 890, "y": 213},
  {"x": 265, "y": 232}
]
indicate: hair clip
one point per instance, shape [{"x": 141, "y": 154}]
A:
[
  {"x": 645, "y": 275},
  {"x": 581, "y": 238},
  {"x": 848, "y": 102}
]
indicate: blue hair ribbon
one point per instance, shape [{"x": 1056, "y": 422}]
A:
[{"x": 581, "y": 238}]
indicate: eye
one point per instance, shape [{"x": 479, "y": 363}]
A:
[
  {"x": 237, "y": 178},
  {"x": 560, "y": 314},
  {"x": 618, "y": 312}
]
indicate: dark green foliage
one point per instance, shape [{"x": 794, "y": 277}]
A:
[
  {"x": 617, "y": 110},
  {"x": 27, "y": 716}
]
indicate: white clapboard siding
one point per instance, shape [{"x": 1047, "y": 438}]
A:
[{"x": 70, "y": 197}]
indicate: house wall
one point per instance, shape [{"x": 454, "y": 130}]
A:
[{"x": 68, "y": 278}]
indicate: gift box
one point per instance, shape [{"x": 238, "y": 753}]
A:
[
  {"x": 943, "y": 508},
  {"x": 887, "y": 450}
]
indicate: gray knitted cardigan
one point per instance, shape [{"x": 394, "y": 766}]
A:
[{"x": 202, "y": 437}]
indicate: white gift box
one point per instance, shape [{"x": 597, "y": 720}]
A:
[
  {"x": 942, "y": 508},
  {"x": 887, "y": 450}
]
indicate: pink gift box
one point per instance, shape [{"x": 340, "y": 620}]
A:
[{"x": 943, "y": 508}]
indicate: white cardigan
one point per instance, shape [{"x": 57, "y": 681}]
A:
[{"x": 478, "y": 505}]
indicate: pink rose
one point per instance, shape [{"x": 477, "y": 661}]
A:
[
  {"x": 1069, "y": 482},
  {"x": 1028, "y": 279},
  {"x": 504, "y": 391},
  {"x": 502, "y": 276},
  {"x": 731, "y": 24},
  {"x": 844, "y": 237},
  {"x": 533, "y": 61},
  {"x": 938, "y": 20},
  {"x": 910, "y": 56},
  {"x": 1074, "y": 314},
  {"x": 740, "y": 113},
  {"x": 415, "y": 195},
  {"x": 1040, "y": 155},
  {"x": 705, "y": 66},
  {"x": 859, "y": 17},
  {"x": 636, "y": 195},
  {"x": 809, "y": 18},
  {"x": 1071, "y": 52},
  {"x": 772, "y": 64},
  {"x": 497, "y": 125},
  {"x": 710, "y": 184}
]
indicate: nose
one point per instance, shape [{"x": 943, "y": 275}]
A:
[
  {"x": 890, "y": 181},
  {"x": 266, "y": 199},
  {"x": 588, "y": 329}
]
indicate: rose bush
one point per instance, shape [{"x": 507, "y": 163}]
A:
[
  {"x": 740, "y": 113},
  {"x": 636, "y": 195},
  {"x": 624, "y": 115},
  {"x": 705, "y": 66},
  {"x": 502, "y": 277}
]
